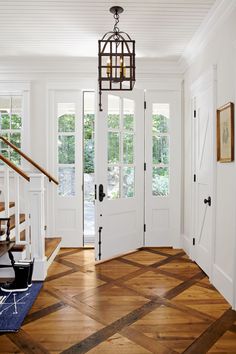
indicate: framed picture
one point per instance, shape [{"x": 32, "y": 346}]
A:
[{"x": 225, "y": 133}]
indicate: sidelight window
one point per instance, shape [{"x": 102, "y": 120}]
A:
[{"x": 160, "y": 149}]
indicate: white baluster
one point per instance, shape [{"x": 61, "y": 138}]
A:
[
  {"x": 17, "y": 208},
  {"x": 6, "y": 190},
  {"x": 37, "y": 222},
  {"x": 27, "y": 220}
]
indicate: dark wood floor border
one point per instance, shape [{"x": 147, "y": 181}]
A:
[
  {"x": 26, "y": 343},
  {"x": 44, "y": 312},
  {"x": 68, "y": 253},
  {"x": 59, "y": 275},
  {"x": 149, "y": 267},
  {"x": 210, "y": 336},
  {"x": 184, "y": 286},
  {"x": 146, "y": 342},
  {"x": 70, "y": 264},
  {"x": 103, "y": 334},
  {"x": 151, "y": 250},
  {"x": 168, "y": 259}
]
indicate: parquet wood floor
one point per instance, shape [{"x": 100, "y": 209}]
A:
[{"x": 151, "y": 301}]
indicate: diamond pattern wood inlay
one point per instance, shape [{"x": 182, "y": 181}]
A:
[{"x": 154, "y": 300}]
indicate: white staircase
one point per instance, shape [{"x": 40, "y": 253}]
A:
[{"x": 22, "y": 199}]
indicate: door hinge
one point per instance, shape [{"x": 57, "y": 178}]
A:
[
  {"x": 194, "y": 241},
  {"x": 100, "y": 243},
  {"x": 145, "y": 104},
  {"x": 145, "y": 166},
  {"x": 194, "y": 178},
  {"x": 144, "y": 227},
  {"x": 194, "y": 113},
  {"x": 45, "y": 227}
]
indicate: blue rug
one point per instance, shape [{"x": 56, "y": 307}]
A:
[{"x": 15, "y": 306}]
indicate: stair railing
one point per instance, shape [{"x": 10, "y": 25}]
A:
[
  {"x": 34, "y": 207},
  {"x": 30, "y": 160}
]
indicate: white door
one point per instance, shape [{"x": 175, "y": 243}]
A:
[
  {"x": 66, "y": 157},
  {"x": 163, "y": 168},
  {"x": 203, "y": 176},
  {"x": 119, "y": 156}
]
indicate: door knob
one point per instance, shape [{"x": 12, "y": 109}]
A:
[
  {"x": 101, "y": 194},
  {"x": 207, "y": 201}
]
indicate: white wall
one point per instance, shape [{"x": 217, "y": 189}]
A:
[{"x": 220, "y": 51}]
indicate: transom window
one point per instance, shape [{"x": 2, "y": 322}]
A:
[
  {"x": 11, "y": 125},
  {"x": 120, "y": 154},
  {"x": 160, "y": 149}
]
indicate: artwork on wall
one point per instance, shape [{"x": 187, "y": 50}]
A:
[{"x": 225, "y": 133}]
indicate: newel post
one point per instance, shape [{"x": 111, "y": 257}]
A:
[{"x": 37, "y": 222}]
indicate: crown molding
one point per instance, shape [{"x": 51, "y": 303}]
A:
[{"x": 216, "y": 16}]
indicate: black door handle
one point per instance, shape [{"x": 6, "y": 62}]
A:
[
  {"x": 101, "y": 194},
  {"x": 207, "y": 201}
]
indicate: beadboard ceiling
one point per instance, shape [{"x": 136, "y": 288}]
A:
[{"x": 71, "y": 28}]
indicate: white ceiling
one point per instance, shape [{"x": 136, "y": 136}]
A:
[{"x": 161, "y": 28}]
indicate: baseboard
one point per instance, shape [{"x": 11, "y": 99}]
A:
[
  {"x": 223, "y": 283},
  {"x": 186, "y": 244}
]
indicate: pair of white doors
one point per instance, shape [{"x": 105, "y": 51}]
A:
[
  {"x": 137, "y": 170},
  {"x": 138, "y": 154}
]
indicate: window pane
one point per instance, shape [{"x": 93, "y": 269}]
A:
[
  {"x": 66, "y": 114},
  {"x": 113, "y": 112},
  {"x": 128, "y": 182},
  {"x": 66, "y": 149},
  {"x": 5, "y": 120},
  {"x": 15, "y": 121},
  {"x": 15, "y": 157},
  {"x": 15, "y": 138},
  {"x": 160, "y": 149},
  {"x": 66, "y": 123},
  {"x": 66, "y": 177},
  {"x": 160, "y": 181},
  {"x": 113, "y": 182},
  {"x": 113, "y": 147},
  {"x": 160, "y": 117},
  {"x": 2, "y": 144},
  {"x": 16, "y": 111},
  {"x": 128, "y": 148},
  {"x": 5, "y": 104},
  {"x": 128, "y": 114}
]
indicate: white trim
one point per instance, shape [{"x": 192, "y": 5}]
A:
[
  {"x": 217, "y": 15},
  {"x": 223, "y": 283},
  {"x": 186, "y": 244}
]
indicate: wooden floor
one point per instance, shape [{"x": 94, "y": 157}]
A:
[{"x": 151, "y": 301}]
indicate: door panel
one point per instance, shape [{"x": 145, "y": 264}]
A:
[
  {"x": 68, "y": 166},
  {"x": 163, "y": 171},
  {"x": 204, "y": 176},
  {"x": 119, "y": 170}
]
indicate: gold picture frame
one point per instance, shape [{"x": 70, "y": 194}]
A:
[{"x": 225, "y": 133}]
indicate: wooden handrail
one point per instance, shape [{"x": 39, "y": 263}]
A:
[
  {"x": 32, "y": 162},
  {"x": 14, "y": 167}
]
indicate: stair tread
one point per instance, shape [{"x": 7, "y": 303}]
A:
[
  {"x": 13, "y": 222},
  {"x": 2, "y": 205},
  {"x": 51, "y": 243}
]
